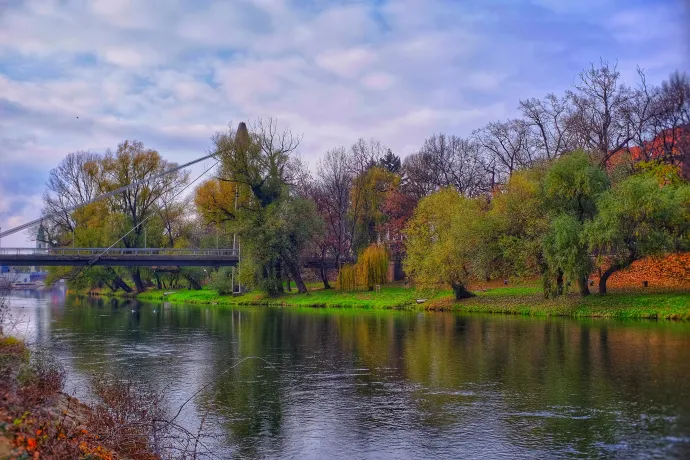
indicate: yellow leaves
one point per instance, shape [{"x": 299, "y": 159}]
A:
[
  {"x": 215, "y": 200},
  {"x": 370, "y": 269},
  {"x": 442, "y": 237}
]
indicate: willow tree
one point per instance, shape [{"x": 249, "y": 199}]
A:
[
  {"x": 639, "y": 217},
  {"x": 442, "y": 239},
  {"x": 571, "y": 188},
  {"x": 273, "y": 222}
]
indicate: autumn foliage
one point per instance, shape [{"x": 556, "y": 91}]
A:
[
  {"x": 671, "y": 271},
  {"x": 371, "y": 269}
]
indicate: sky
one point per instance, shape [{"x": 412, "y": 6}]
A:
[{"x": 87, "y": 75}]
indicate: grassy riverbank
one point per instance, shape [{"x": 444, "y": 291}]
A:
[{"x": 523, "y": 300}]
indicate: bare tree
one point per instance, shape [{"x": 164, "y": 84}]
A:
[
  {"x": 454, "y": 162},
  {"x": 418, "y": 176},
  {"x": 364, "y": 155},
  {"x": 670, "y": 121},
  {"x": 601, "y": 111},
  {"x": 73, "y": 182},
  {"x": 509, "y": 146},
  {"x": 548, "y": 120},
  {"x": 331, "y": 193}
]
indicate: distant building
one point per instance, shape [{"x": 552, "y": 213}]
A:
[
  {"x": 41, "y": 241},
  {"x": 9, "y": 274}
]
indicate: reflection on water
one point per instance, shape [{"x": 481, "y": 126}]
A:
[{"x": 386, "y": 384}]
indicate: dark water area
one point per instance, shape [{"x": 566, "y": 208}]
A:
[{"x": 385, "y": 384}]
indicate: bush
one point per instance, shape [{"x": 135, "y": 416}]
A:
[
  {"x": 129, "y": 418},
  {"x": 41, "y": 378},
  {"x": 221, "y": 281}
]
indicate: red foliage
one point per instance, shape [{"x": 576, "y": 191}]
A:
[
  {"x": 398, "y": 208},
  {"x": 672, "y": 271}
]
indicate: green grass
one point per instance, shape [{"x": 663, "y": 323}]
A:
[
  {"x": 389, "y": 297},
  {"x": 521, "y": 299}
]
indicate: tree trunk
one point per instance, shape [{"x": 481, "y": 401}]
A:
[
  {"x": 294, "y": 269},
  {"x": 583, "y": 285},
  {"x": 136, "y": 277},
  {"x": 559, "y": 282},
  {"x": 273, "y": 278},
  {"x": 118, "y": 282},
  {"x": 301, "y": 287},
  {"x": 194, "y": 284},
  {"x": 604, "y": 278},
  {"x": 461, "y": 291},
  {"x": 324, "y": 275},
  {"x": 613, "y": 269},
  {"x": 158, "y": 280},
  {"x": 289, "y": 283}
]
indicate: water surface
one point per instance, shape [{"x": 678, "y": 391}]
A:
[{"x": 386, "y": 384}]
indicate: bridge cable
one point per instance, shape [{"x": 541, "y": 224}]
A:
[
  {"x": 105, "y": 195},
  {"x": 95, "y": 258}
]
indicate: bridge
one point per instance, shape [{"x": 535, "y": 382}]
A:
[
  {"x": 126, "y": 257},
  {"x": 114, "y": 256},
  {"x": 150, "y": 257}
]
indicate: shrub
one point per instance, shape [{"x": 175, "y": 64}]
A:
[
  {"x": 221, "y": 281},
  {"x": 41, "y": 378}
]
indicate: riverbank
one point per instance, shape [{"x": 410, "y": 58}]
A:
[
  {"x": 522, "y": 300},
  {"x": 39, "y": 420}
]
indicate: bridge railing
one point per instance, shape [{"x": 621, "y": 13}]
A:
[{"x": 114, "y": 252}]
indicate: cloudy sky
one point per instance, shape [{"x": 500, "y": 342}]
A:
[{"x": 172, "y": 72}]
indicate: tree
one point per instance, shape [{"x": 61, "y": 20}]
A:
[
  {"x": 75, "y": 181},
  {"x": 367, "y": 196},
  {"x": 637, "y": 218},
  {"x": 513, "y": 231},
  {"x": 215, "y": 201},
  {"x": 130, "y": 163},
  {"x": 669, "y": 132},
  {"x": 390, "y": 162},
  {"x": 572, "y": 186},
  {"x": 601, "y": 112},
  {"x": 273, "y": 221},
  {"x": 365, "y": 155},
  {"x": 446, "y": 161},
  {"x": 548, "y": 120},
  {"x": 331, "y": 194},
  {"x": 418, "y": 176},
  {"x": 442, "y": 238},
  {"x": 397, "y": 210},
  {"x": 509, "y": 145}
]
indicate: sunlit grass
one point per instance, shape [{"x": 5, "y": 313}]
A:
[{"x": 524, "y": 299}]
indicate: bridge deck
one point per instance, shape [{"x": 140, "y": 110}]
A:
[{"x": 149, "y": 257}]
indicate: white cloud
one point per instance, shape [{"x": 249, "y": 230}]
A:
[
  {"x": 378, "y": 80},
  {"x": 346, "y": 63}
]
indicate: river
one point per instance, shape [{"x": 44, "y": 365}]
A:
[{"x": 385, "y": 384}]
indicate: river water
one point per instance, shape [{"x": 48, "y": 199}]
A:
[{"x": 385, "y": 384}]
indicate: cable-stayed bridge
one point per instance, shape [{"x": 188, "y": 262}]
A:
[{"x": 149, "y": 257}]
